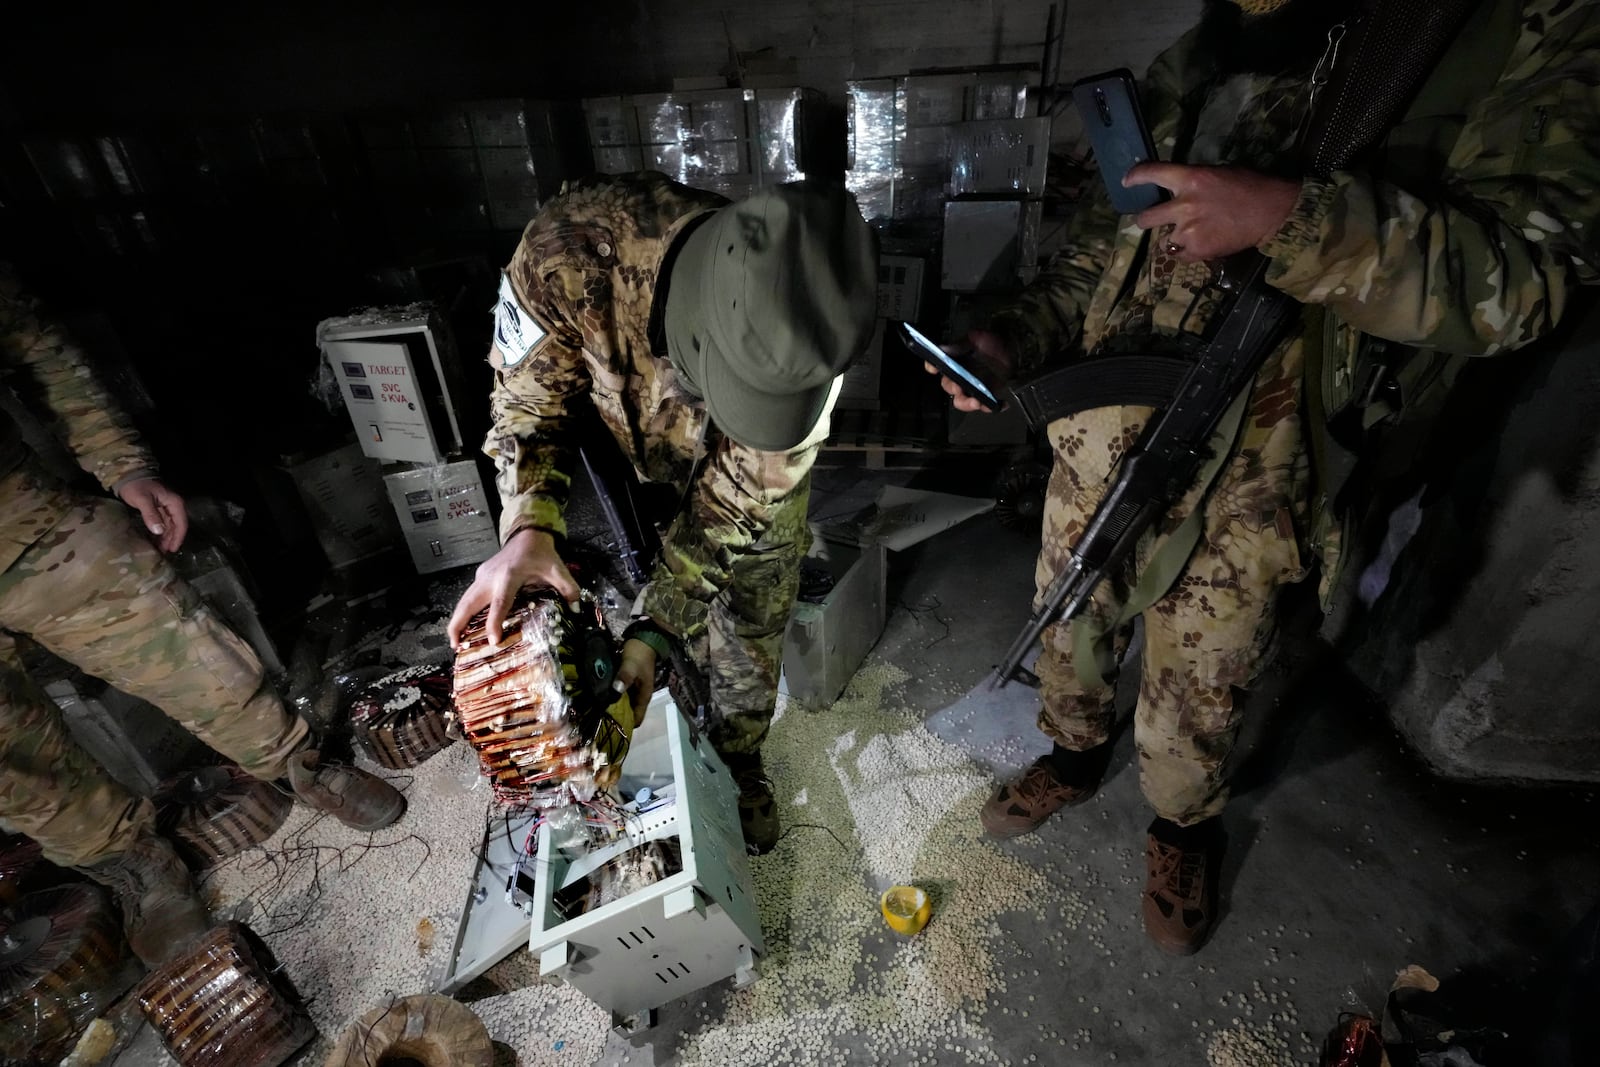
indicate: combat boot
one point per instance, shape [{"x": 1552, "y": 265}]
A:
[
  {"x": 1180, "y": 892},
  {"x": 1058, "y": 779},
  {"x": 161, "y": 916},
  {"x": 360, "y": 800},
  {"x": 758, "y": 808}
]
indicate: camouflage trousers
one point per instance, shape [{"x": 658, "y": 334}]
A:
[
  {"x": 94, "y": 591},
  {"x": 1210, "y": 633},
  {"x": 742, "y": 647}
]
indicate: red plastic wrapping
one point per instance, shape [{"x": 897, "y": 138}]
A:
[
  {"x": 62, "y": 963},
  {"x": 226, "y": 1004},
  {"x": 215, "y": 813}
]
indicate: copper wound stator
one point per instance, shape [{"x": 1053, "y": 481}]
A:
[
  {"x": 399, "y": 720},
  {"x": 226, "y": 1004},
  {"x": 539, "y": 707}
]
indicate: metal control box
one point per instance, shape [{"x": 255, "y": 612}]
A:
[
  {"x": 692, "y": 929},
  {"x": 687, "y": 931},
  {"x": 396, "y": 371}
]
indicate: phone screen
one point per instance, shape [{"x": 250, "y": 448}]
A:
[{"x": 948, "y": 364}]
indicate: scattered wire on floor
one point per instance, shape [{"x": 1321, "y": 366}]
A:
[
  {"x": 917, "y": 611},
  {"x": 814, "y": 826},
  {"x": 286, "y": 864}
]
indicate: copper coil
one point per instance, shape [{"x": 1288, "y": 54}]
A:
[
  {"x": 62, "y": 962},
  {"x": 512, "y": 703},
  {"x": 215, "y": 813},
  {"x": 400, "y": 720},
  {"x": 226, "y": 1004},
  {"x": 428, "y": 1030}
]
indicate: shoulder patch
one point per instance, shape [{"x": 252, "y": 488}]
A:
[{"x": 515, "y": 332}]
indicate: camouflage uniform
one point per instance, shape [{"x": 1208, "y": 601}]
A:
[
  {"x": 81, "y": 580},
  {"x": 585, "y": 272},
  {"x": 1470, "y": 244}
]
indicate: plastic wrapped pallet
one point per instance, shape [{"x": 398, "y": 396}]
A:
[{"x": 872, "y": 146}]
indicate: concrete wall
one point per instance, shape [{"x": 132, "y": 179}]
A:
[
  {"x": 127, "y": 64},
  {"x": 1487, "y": 641}
]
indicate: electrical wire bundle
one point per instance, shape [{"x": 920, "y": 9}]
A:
[{"x": 539, "y": 707}]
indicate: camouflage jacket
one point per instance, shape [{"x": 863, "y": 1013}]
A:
[
  {"x": 54, "y": 380},
  {"x": 585, "y": 274},
  {"x": 1483, "y": 222}
]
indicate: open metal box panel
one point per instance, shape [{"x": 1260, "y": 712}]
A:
[
  {"x": 693, "y": 928},
  {"x": 687, "y": 931}
]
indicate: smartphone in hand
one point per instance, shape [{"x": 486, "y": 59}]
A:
[
  {"x": 1109, "y": 106},
  {"x": 948, "y": 366}
]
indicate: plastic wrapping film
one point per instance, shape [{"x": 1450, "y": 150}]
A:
[
  {"x": 539, "y": 708},
  {"x": 428, "y": 1030},
  {"x": 444, "y": 513},
  {"x": 226, "y": 1004},
  {"x": 62, "y": 963},
  {"x": 214, "y": 813},
  {"x": 872, "y": 146},
  {"x": 999, "y": 156},
  {"x": 728, "y": 141},
  {"x": 400, "y": 720}
]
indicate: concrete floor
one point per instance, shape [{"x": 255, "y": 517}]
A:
[{"x": 1345, "y": 864}]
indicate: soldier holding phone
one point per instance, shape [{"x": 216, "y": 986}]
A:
[{"x": 1467, "y": 235}]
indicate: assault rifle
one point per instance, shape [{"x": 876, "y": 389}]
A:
[
  {"x": 635, "y": 544},
  {"x": 1387, "y": 52}
]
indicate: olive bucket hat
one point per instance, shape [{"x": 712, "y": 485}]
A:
[{"x": 769, "y": 300}]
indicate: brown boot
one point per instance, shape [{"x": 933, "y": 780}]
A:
[
  {"x": 1019, "y": 806},
  {"x": 758, "y": 808},
  {"x": 161, "y": 915},
  {"x": 1180, "y": 890},
  {"x": 359, "y": 800}
]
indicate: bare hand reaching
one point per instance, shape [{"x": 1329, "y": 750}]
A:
[
  {"x": 529, "y": 558},
  {"x": 163, "y": 511}
]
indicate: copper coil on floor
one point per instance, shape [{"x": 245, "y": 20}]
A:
[
  {"x": 513, "y": 704},
  {"x": 62, "y": 963},
  {"x": 21, "y": 861},
  {"x": 400, "y": 720},
  {"x": 226, "y": 1004},
  {"x": 215, "y": 813},
  {"x": 427, "y": 1030}
]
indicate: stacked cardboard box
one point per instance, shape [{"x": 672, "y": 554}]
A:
[{"x": 900, "y": 130}]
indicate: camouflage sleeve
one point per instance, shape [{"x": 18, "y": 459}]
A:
[
  {"x": 1489, "y": 262},
  {"x": 50, "y": 373},
  {"x": 528, "y": 438},
  {"x": 1046, "y": 320},
  {"x": 734, "y": 502}
]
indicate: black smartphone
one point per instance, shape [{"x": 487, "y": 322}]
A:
[
  {"x": 1109, "y": 106},
  {"x": 948, "y": 366}
]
